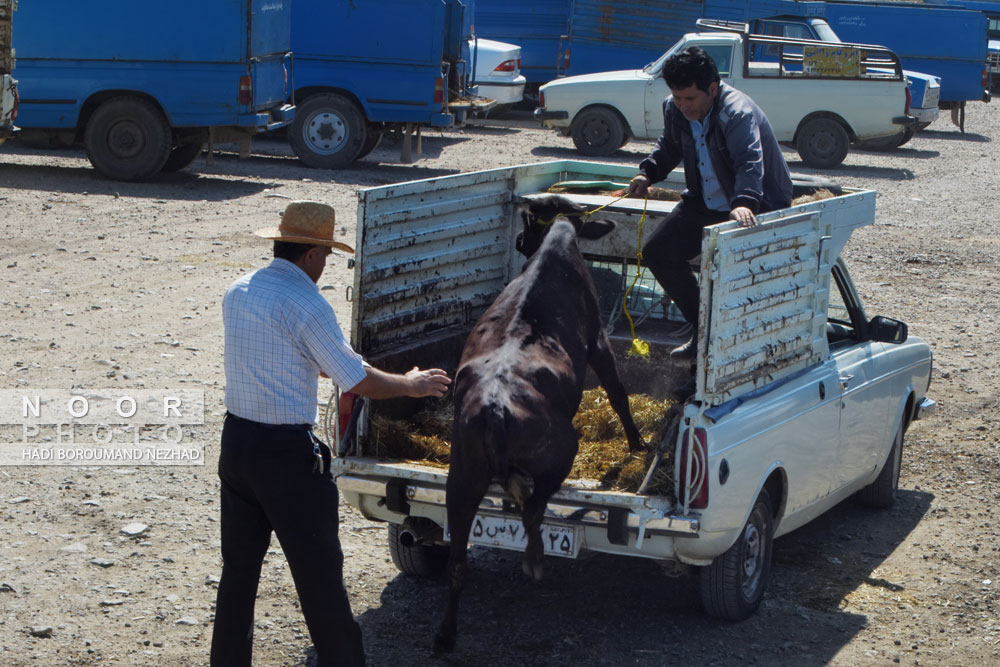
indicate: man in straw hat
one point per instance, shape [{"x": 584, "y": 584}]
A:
[{"x": 280, "y": 336}]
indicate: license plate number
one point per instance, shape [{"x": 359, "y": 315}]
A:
[{"x": 509, "y": 534}]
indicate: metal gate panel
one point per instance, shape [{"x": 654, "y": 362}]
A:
[
  {"x": 764, "y": 316},
  {"x": 432, "y": 255}
]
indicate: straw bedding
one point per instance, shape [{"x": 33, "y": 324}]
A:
[{"x": 603, "y": 455}]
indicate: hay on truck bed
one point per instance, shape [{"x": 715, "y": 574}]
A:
[{"x": 603, "y": 456}]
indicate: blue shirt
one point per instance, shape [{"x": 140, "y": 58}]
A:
[
  {"x": 279, "y": 334},
  {"x": 711, "y": 189}
]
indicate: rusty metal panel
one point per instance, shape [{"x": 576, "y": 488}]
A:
[
  {"x": 766, "y": 305},
  {"x": 432, "y": 255}
]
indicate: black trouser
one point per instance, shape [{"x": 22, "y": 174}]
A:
[
  {"x": 669, "y": 250},
  {"x": 268, "y": 483}
]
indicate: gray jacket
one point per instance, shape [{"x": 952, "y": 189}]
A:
[{"x": 744, "y": 152}]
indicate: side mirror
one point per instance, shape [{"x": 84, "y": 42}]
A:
[{"x": 887, "y": 330}]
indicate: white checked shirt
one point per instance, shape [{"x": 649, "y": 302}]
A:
[{"x": 280, "y": 333}]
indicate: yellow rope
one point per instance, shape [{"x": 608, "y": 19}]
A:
[{"x": 639, "y": 347}]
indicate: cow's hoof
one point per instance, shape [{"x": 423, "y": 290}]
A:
[{"x": 534, "y": 571}]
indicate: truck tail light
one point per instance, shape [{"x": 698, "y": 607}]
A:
[
  {"x": 541, "y": 99},
  {"x": 347, "y": 401},
  {"x": 17, "y": 102},
  {"x": 246, "y": 89},
  {"x": 565, "y": 60},
  {"x": 986, "y": 78},
  {"x": 694, "y": 469},
  {"x": 909, "y": 99},
  {"x": 439, "y": 90}
]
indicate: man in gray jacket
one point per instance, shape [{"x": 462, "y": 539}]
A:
[{"x": 733, "y": 169}]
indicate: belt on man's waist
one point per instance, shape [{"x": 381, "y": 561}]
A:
[{"x": 274, "y": 427}]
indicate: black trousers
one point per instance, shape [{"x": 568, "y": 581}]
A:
[
  {"x": 669, "y": 250},
  {"x": 268, "y": 483}
]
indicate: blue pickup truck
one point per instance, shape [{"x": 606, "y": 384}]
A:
[
  {"x": 363, "y": 67},
  {"x": 143, "y": 86}
]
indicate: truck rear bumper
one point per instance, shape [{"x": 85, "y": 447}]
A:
[
  {"x": 905, "y": 121},
  {"x": 272, "y": 119},
  {"x": 617, "y": 525},
  {"x": 543, "y": 115},
  {"x": 926, "y": 115}
]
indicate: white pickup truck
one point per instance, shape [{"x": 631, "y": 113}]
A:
[
  {"x": 801, "y": 401},
  {"x": 8, "y": 86},
  {"x": 818, "y": 96}
]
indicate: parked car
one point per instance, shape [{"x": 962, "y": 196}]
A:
[
  {"x": 497, "y": 70},
  {"x": 817, "y": 96},
  {"x": 925, "y": 89}
]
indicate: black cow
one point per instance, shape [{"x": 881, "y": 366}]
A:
[{"x": 520, "y": 382}]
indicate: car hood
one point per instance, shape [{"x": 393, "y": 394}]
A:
[{"x": 599, "y": 77}]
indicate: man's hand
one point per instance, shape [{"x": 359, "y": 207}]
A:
[
  {"x": 744, "y": 216},
  {"x": 638, "y": 186},
  {"x": 429, "y": 382}
]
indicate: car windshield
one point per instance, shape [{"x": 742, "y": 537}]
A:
[
  {"x": 654, "y": 67},
  {"x": 825, "y": 32}
]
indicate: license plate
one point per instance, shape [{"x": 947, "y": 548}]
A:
[{"x": 509, "y": 534}]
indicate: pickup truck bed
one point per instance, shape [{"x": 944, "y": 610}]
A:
[{"x": 769, "y": 416}]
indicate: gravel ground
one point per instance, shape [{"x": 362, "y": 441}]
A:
[{"x": 116, "y": 285}]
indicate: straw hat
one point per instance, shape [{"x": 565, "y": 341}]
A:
[{"x": 306, "y": 222}]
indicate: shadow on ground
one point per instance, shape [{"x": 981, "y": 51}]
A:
[{"x": 606, "y": 610}]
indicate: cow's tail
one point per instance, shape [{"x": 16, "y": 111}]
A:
[{"x": 495, "y": 439}]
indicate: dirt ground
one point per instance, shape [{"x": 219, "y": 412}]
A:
[{"x": 118, "y": 286}]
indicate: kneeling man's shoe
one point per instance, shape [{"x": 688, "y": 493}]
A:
[{"x": 686, "y": 352}]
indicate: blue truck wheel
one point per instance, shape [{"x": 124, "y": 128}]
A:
[
  {"x": 128, "y": 139},
  {"x": 329, "y": 131},
  {"x": 182, "y": 155}
]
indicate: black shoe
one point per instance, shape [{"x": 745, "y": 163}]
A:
[
  {"x": 685, "y": 391},
  {"x": 685, "y": 352}
]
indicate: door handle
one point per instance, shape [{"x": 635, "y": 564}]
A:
[{"x": 845, "y": 381}]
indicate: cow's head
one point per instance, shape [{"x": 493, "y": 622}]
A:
[{"x": 538, "y": 214}]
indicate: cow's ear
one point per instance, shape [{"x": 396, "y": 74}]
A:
[{"x": 595, "y": 229}]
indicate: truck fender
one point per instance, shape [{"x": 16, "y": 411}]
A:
[{"x": 98, "y": 97}]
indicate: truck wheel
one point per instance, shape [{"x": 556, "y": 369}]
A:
[
  {"x": 372, "y": 140},
  {"x": 419, "y": 560},
  {"x": 822, "y": 143},
  {"x": 183, "y": 155},
  {"x": 882, "y": 492},
  {"x": 598, "y": 131},
  {"x": 328, "y": 132},
  {"x": 733, "y": 585},
  {"x": 127, "y": 139}
]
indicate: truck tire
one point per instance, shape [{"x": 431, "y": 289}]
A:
[
  {"x": 882, "y": 492},
  {"x": 419, "y": 560},
  {"x": 598, "y": 131},
  {"x": 822, "y": 143},
  {"x": 127, "y": 139},
  {"x": 183, "y": 155},
  {"x": 733, "y": 585},
  {"x": 329, "y": 131},
  {"x": 372, "y": 140}
]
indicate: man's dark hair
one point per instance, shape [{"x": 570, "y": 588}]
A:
[
  {"x": 692, "y": 66},
  {"x": 292, "y": 251}
]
